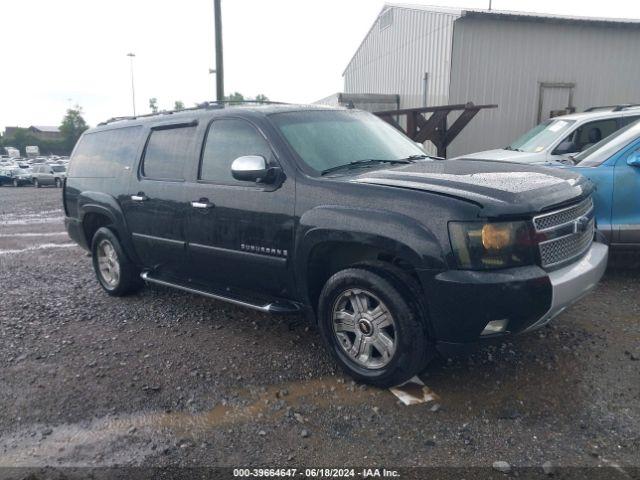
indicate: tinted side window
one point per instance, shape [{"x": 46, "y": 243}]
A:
[
  {"x": 167, "y": 152},
  {"x": 628, "y": 120},
  {"x": 103, "y": 154},
  {"x": 227, "y": 140},
  {"x": 593, "y": 132}
]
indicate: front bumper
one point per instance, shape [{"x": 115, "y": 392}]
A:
[
  {"x": 574, "y": 281},
  {"x": 461, "y": 303}
]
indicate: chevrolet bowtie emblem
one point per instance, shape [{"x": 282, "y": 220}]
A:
[{"x": 580, "y": 225}]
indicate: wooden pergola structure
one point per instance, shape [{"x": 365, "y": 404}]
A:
[{"x": 433, "y": 128}]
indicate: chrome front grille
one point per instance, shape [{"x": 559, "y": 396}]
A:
[
  {"x": 564, "y": 216},
  {"x": 565, "y": 234}
]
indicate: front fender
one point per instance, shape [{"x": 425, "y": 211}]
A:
[{"x": 394, "y": 233}]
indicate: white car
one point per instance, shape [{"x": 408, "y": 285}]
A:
[{"x": 553, "y": 140}]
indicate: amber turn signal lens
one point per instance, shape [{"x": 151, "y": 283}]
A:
[{"x": 496, "y": 236}]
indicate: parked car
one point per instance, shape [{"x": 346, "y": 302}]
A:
[
  {"x": 44, "y": 174},
  {"x": 335, "y": 213},
  {"x": 613, "y": 165},
  {"x": 554, "y": 139},
  {"x": 19, "y": 176},
  {"x": 5, "y": 178}
]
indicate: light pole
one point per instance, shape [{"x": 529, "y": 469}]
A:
[
  {"x": 133, "y": 90},
  {"x": 212, "y": 71},
  {"x": 217, "y": 12}
]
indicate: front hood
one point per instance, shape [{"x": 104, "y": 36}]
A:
[
  {"x": 499, "y": 188},
  {"x": 506, "y": 156}
]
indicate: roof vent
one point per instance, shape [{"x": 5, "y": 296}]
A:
[{"x": 386, "y": 19}]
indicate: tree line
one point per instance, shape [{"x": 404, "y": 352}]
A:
[
  {"x": 235, "y": 97},
  {"x": 71, "y": 127},
  {"x": 73, "y": 124}
]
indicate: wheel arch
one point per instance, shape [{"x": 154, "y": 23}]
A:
[
  {"x": 334, "y": 238},
  {"x": 97, "y": 210}
]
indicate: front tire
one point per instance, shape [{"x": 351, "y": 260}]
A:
[
  {"x": 117, "y": 275},
  {"x": 373, "y": 326}
]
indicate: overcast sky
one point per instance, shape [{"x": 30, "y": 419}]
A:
[{"x": 64, "y": 52}]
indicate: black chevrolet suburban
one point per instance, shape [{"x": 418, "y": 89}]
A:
[{"x": 336, "y": 214}]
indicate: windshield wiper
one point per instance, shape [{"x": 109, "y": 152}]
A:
[
  {"x": 362, "y": 163},
  {"x": 420, "y": 156},
  {"x": 509, "y": 147}
]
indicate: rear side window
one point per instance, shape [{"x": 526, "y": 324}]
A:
[
  {"x": 103, "y": 154},
  {"x": 629, "y": 120},
  {"x": 167, "y": 152},
  {"x": 227, "y": 140}
]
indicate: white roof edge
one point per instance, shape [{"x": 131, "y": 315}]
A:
[
  {"x": 513, "y": 13},
  {"x": 386, "y": 6},
  {"x": 464, "y": 12}
]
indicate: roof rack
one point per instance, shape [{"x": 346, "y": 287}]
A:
[
  {"x": 613, "y": 108},
  {"x": 209, "y": 105}
]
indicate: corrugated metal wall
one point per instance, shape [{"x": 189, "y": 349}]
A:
[
  {"x": 395, "y": 59},
  {"x": 503, "y": 61}
]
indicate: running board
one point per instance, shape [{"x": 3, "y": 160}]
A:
[{"x": 271, "y": 307}]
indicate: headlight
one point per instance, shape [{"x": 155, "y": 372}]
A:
[{"x": 479, "y": 245}]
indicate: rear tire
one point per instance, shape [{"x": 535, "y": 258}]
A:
[
  {"x": 117, "y": 275},
  {"x": 358, "y": 332}
]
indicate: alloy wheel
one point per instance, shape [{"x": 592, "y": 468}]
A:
[
  {"x": 108, "y": 263},
  {"x": 364, "y": 328}
]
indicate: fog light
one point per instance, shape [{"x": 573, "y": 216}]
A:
[{"x": 495, "y": 326}]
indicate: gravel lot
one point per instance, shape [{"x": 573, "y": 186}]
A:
[{"x": 168, "y": 378}]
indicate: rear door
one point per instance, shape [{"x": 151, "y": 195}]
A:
[
  {"x": 239, "y": 233},
  {"x": 154, "y": 206},
  {"x": 46, "y": 178}
]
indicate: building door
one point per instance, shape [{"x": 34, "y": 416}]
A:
[{"x": 555, "y": 99}]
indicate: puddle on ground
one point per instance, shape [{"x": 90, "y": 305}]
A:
[
  {"x": 32, "y": 234},
  {"x": 49, "y": 216},
  {"x": 84, "y": 443},
  {"x": 42, "y": 246}
]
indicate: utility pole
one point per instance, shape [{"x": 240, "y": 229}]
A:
[
  {"x": 133, "y": 90},
  {"x": 217, "y": 11},
  {"x": 489, "y": 4}
]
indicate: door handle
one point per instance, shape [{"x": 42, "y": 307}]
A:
[
  {"x": 202, "y": 203},
  {"x": 140, "y": 197}
]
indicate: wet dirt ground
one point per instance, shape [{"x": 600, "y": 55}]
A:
[{"x": 168, "y": 378}]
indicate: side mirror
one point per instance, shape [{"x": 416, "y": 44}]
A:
[
  {"x": 633, "y": 160},
  {"x": 565, "y": 147},
  {"x": 250, "y": 168}
]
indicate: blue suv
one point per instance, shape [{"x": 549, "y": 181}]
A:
[{"x": 613, "y": 164}]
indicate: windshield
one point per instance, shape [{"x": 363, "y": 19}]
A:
[
  {"x": 541, "y": 136},
  {"x": 59, "y": 168},
  {"x": 604, "y": 149},
  {"x": 325, "y": 139}
]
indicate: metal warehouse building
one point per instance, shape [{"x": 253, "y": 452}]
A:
[{"x": 529, "y": 64}]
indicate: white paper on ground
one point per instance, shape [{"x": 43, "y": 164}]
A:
[{"x": 413, "y": 392}]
